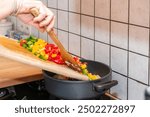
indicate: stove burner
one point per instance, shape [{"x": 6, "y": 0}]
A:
[{"x": 3, "y": 92}]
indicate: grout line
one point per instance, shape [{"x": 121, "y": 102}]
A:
[
  {"x": 138, "y": 81},
  {"x": 103, "y": 18},
  {"x": 149, "y": 50},
  {"x": 128, "y": 50},
  {"x": 57, "y": 15},
  {"x": 57, "y": 12},
  {"x": 68, "y": 25},
  {"x": 80, "y": 29},
  {"x": 105, "y": 43},
  {"x": 110, "y": 36},
  {"x": 129, "y": 77},
  {"x": 119, "y": 73},
  {"x": 109, "y": 44},
  {"x": 94, "y": 33}
]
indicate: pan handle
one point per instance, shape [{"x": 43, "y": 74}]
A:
[{"x": 105, "y": 86}]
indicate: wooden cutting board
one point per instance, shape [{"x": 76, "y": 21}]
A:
[
  {"x": 10, "y": 48},
  {"x": 14, "y": 73}
]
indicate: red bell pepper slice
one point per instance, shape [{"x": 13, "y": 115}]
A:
[
  {"x": 54, "y": 54},
  {"x": 23, "y": 41}
]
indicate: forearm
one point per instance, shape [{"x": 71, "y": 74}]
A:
[{"x": 7, "y": 7}]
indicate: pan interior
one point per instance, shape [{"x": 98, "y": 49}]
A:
[{"x": 94, "y": 67}]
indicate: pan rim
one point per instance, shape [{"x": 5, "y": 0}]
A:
[{"x": 80, "y": 81}]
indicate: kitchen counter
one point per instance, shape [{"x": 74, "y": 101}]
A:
[{"x": 13, "y": 73}]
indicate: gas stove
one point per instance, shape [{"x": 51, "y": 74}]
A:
[{"x": 33, "y": 91}]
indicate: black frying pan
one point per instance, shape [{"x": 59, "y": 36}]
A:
[{"x": 68, "y": 89}]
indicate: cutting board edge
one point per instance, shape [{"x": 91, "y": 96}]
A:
[{"x": 40, "y": 64}]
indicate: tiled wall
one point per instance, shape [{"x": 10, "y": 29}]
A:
[{"x": 115, "y": 32}]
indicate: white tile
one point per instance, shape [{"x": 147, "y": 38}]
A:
[
  {"x": 102, "y": 53},
  {"x": 139, "y": 40},
  {"x": 49, "y": 38},
  {"x": 87, "y": 26},
  {"x": 45, "y": 2},
  {"x": 138, "y": 67},
  {"x": 63, "y": 20},
  {"x": 74, "y": 23},
  {"x": 74, "y": 5},
  {"x": 20, "y": 25},
  {"x": 63, "y": 38},
  {"x": 13, "y": 19},
  {"x": 120, "y": 90},
  {"x": 43, "y": 36},
  {"x": 34, "y": 31},
  {"x": 87, "y": 49},
  {"x": 139, "y": 12},
  {"x": 102, "y": 8},
  {"x": 63, "y": 4},
  {"x": 74, "y": 44},
  {"x": 87, "y": 7},
  {"x": 102, "y": 30},
  {"x": 119, "y": 10},
  {"x": 119, "y": 35},
  {"x": 52, "y": 3},
  {"x": 119, "y": 60},
  {"x": 56, "y": 18},
  {"x": 136, "y": 90}
]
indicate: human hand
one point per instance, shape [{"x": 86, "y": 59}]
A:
[{"x": 45, "y": 19}]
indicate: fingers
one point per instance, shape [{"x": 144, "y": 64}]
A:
[
  {"x": 44, "y": 21},
  {"x": 51, "y": 24},
  {"x": 39, "y": 18},
  {"x": 42, "y": 14},
  {"x": 48, "y": 23},
  {"x": 46, "y": 18},
  {"x": 36, "y": 25}
]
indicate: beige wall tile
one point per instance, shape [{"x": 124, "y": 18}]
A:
[
  {"x": 63, "y": 37},
  {"x": 139, "y": 12},
  {"x": 139, "y": 40},
  {"x": 74, "y": 5},
  {"x": 74, "y": 44},
  {"x": 102, "y": 8},
  {"x": 63, "y": 4},
  {"x": 52, "y": 3},
  {"x": 120, "y": 90},
  {"x": 119, "y": 35},
  {"x": 87, "y": 48},
  {"x": 138, "y": 67},
  {"x": 119, "y": 10},
  {"x": 87, "y": 7},
  {"x": 74, "y": 23},
  {"x": 136, "y": 90},
  {"x": 102, "y": 52},
  {"x": 119, "y": 60},
  {"x": 63, "y": 20},
  {"x": 102, "y": 30},
  {"x": 87, "y": 26}
]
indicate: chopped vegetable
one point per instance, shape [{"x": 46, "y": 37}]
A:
[
  {"x": 51, "y": 52},
  {"x": 85, "y": 71},
  {"x": 23, "y": 42},
  {"x": 54, "y": 54}
]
